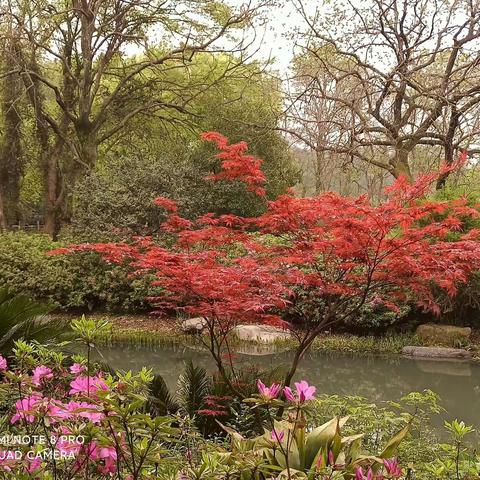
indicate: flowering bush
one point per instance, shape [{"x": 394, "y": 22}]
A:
[
  {"x": 291, "y": 448},
  {"x": 67, "y": 422}
]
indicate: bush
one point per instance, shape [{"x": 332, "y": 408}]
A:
[
  {"x": 68, "y": 281},
  {"x": 80, "y": 424},
  {"x": 83, "y": 423},
  {"x": 428, "y": 456}
]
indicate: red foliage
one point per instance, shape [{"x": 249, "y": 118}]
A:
[
  {"x": 236, "y": 165},
  {"x": 331, "y": 253},
  {"x": 166, "y": 203}
]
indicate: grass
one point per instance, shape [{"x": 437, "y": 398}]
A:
[
  {"x": 392, "y": 344},
  {"x": 142, "y": 337},
  {"x": 135, "y": 333}
]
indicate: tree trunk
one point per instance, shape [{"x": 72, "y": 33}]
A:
[
  {"x": 449, "y": 158},
  {"x": 3, "y": 223},
  {"x": 400, "y": 165},
  {"x": 88, "y": 151},
  {"x": 51, "y": 197},
  {"x": 449, "y": 147},
  {"x": 11, "y": 158}
]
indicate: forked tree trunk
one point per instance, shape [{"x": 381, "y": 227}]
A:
[
  {"x": 400, "y": 164},
  {"x": 449, "y": 147}
]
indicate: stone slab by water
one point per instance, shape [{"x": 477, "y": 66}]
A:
[
  {"x": 260, "y": 333},
  {"x": 437, "y": 352}
]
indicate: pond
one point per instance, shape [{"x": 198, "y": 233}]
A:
[{"x": 377, "y": 378}]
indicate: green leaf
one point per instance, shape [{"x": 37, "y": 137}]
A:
[
  {"x": 321, "y": 437},
  {"x": 393, "y": 443}
]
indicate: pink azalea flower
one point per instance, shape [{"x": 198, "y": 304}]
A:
[
  {"x": 109, "y": 456},
  {"x": 3, "y": 364},
  {"x": 57, "y": 410},
  {"x": 268, "y": 393},
  {"x": 287, "y": 391},
  {"x": 359, "y": 475},
  {"x": 89, "y": 450},
  {"x": 86, "y": 410},
  {"x": 33, "y": 465},
  {"x": 75, "y": 410},
  {"x": 41, "y": 372},
  {"x": 277, "y": 436},
  {"x": 5, "y": 461},
  {"x": 392, "y": 468},
  {"x": 77, "y": 368},
  {"x": 86, "y": 385},
  {"x": 304, "y": 392},
  {"x": 64, "y": 445},
  {"x": 25, "y": 408}
]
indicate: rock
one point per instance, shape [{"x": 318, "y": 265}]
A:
[
  {"x": 193, "y": 325},
  {"x": 260, "y": 333},
  {"x": 437, "y": 352},
  {"x": 448, "y": 335}
]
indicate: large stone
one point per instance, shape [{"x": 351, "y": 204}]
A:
[
  {"x": 260, "y": 333},
  {"x": 193, "y": 325},
  {"x": 447, "y": 335},
  {"x": 437, "y": 352}
]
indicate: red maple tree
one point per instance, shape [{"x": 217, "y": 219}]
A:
[{"x": 321, "y": 259}]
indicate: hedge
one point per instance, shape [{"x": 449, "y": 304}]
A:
[{"x": 78, "y": 281}]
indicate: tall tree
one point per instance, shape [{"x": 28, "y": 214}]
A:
[
  {"x": 410, "y": 71},
  {"x": 93, "y": 57},
  {"x": 313, "y": 121},
  {"x": 157, "y": 159},
  {"x": 11, "y": 161}
]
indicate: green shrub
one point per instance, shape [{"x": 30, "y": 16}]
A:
[
  {"x": 427, "y": 455},
  {"x": 68, "y": 281}
]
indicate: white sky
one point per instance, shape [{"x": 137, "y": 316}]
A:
[{"x": 277, "y": 36}]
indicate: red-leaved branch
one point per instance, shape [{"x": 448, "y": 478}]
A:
[{"x": 305, "y": 262}]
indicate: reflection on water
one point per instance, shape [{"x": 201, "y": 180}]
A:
[{"x": 376, "y": 378}]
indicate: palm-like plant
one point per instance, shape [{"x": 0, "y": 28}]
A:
[
  {"x": 20, "y": 317},
  {"x": 193, "y": 386},
  {"x": 161, "y": 401},
  {"x": 198, "y": 392}
]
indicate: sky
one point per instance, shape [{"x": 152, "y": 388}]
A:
[
  {"x": 277, "y": 40},
  {"x": 274, "y": 39}
]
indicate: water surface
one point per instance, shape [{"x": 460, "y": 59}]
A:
[{"x": 377, "y": 378}]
